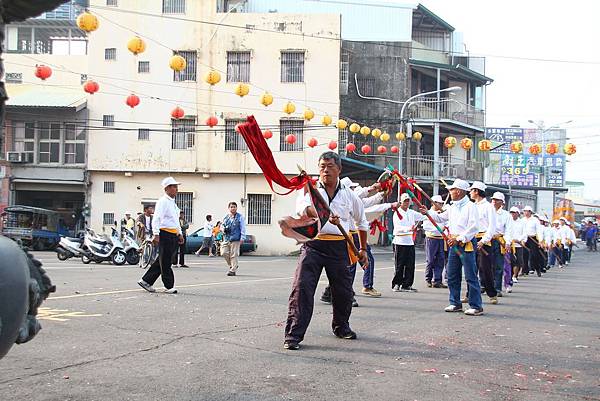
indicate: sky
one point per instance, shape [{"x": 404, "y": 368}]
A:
[{"x": 524, "y": 90}]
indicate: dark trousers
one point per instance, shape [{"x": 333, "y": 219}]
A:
[
  {"x": 435, "y": 259},
  {"x": 404, "y": 264},
  {"x": 525, "y": 266},
  {"x": 486, "y": 268},
  {"x": 180, "y": 252},
  {"x": 535, "y": 255},
  {"x": 167, "y": 246},
  {"x": 516, "y": 259},
  {"x": 314, "y": 256}
]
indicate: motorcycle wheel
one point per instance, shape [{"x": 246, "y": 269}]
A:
[
  {"x": 133, "y": 257},
  {"x": 62, "y": 255},
  {"x": 119, "y": 258},
  {"x": 85, "y": 259}
]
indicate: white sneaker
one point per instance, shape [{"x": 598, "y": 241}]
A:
[
  {"x": 396, "y": 288},
  {"x": 474, "y": 312},
  {"x": 509, "y": 289},
  {"x": 515, "y": 280},
  {"x": 453, "y": 308},
  {"x": 170, "y": 290},
  {"x": 146, "y": 286}
]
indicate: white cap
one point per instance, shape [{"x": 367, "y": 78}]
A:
[
  {"x": 404, "y": 197},
  {"x": 555, "y": 222},
  {"x": 515, "y": 209},
  {"x": 567, "y": 222},
  {"x": 563, "y": 218},
  {"x": 348, "y": 182},
  {"x": 459, "y": 184},
  {"x": 542, "y": 218},
  {"x": 126, "y": 213},
  {"x": 437, "y": 198},
  {"x": 498, "y": 195},
  {"x": 527, "y": 208},
  {"x": 478, "y": 185},
  {"x": 169, "y": 181}
]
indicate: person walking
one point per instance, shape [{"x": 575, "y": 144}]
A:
[
  {"x": 181, "y": 249},
  {"x": 515, "y": 238},
  {"x": 207, "y": 232},
  {"x": 502, "y": 268},
  {"x": 144, "y": 224},
  {"x": 532, "y": 255},
  {"x": 167, "y": 235},
  {"x": 434, "y": 248},
  {"x": 234, "y": 232}
]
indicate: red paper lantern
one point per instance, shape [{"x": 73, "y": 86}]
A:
[
  {"x": 350, "y": 147},
  {"x": 177, "y": 113},
  {"x": 132, "y": 100},
  {"x": 91, "y": 87},
  {"x": 267, "y": 134},
  {"x": 212, "y": 121},
  {"x": 332, "y": 145},
  {"x": 312, "y": 142},
  {"x": 291, "y": 139},
  {"x": 552, "y": 148},
  {"x": 394, "y": 149},
  {"x": 43, "y": 71},
  {"x": 381, "y": 149},
  {"x": 366, "y": 149},
  {"x": 535, "y": 149}
]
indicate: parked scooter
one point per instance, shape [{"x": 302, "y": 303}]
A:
[
  {"x": 69, "y": 247},
  {"x": 99, "y": 249},
  {"x": 131, "y": 247}
]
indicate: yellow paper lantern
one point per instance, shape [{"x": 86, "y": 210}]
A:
[
  {"x": 309, "y": 114},
  {"x": 364, "y": 130},
  {"x": 570, "y": 149},
  {"x": 401, "y": 136},
  {"x": 535, "y": 149},
  {"x": 450, "y": 142},
  {"x": 242, "y": 89},
  {"x": 552, "y": 148},
  {"x": 87, "y": 22},
  {"x": 266, "y": 99},
  {"x": 385, "y": 137},
  {"x": 516, "y": 147},
  {"x": 466, "y": 143},
  {"x": 354, "y": 128},
  {"x": 417, "y": 136},
  {"x": 485, "y": 145},
  {"x": 289, "y": 108},
  {"x": 326, "y": 121},
  {"x": 212, "y": 77},
  {"x": 177, "y": 63},
  {"x": 341, "y": 124},
  {"x": 136, "y": 45},
  {"x": 376, "y": 132}
]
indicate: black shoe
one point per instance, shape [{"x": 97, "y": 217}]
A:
[
  {"x": 291, "y": 345},
  {"x": 543, "y": 270},
  {"x": 348, "y": 335},
  {"x": 231, "y": 273},
  {"x": 499, "y": 294},
  {"x": 326, "y": 296},
  {"x": 539, "y": 274},
  {"x": 429, "y": 285},
  {"x": 354, "y": 303}
]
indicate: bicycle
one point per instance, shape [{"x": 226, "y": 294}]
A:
[{"x": 148, "y": 253}]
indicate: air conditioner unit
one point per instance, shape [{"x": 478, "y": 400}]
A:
[{"x": 16, "y": 157}]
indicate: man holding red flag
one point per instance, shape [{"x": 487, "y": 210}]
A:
[{"x": 328, "y": 250}]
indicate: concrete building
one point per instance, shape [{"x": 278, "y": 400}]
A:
[{"x": 132, "y": 149}]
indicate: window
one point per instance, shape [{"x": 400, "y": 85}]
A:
[
  {"x": 109, "y": 187},
  {"x": 292, "y": 66},
  {"x": 143, "y": 134},
  {"x": 110, "y": 54},
  {"x": 75, "y": 137},
  {"x": 344, "y": 71},
  {"x": 182, "y": 133},
  {"x": 238, "y": 66},
  {"x": 189, "y": 72},
  {"x": 111, "y": 3},
  {"x": 185, "y": 202},
  {"x": 173, "y": 6},
  {"x": 108, "y": 120},
  {"x": 259, "y": 208},
  {"x": 24, "y": 134},
  {"x": 343, "y": 140},
  {"x": 49, "y": 148},
  {"x": 143, "y": 67},
  {"x": 366, "y": 86},
  {"x": 108, "y": 219},
  {"x": 233, "y": 140},
  {"x": 14, "y": 78},
  {"x": 291, "y": 126}
]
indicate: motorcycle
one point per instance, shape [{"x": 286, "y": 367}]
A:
[
  {"x": 131, "y": 247},
  {"x": 99, "y": 249},
  {"x": 69, "y": 247}
]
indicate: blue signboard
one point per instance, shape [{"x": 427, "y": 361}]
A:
[{"x": 505, "y": 136}]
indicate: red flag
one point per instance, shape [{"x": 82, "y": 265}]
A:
[
  {"x": 301, "y": 229},
  {"x": 319, "y": 204}
]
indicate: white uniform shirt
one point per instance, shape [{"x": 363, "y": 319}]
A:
[
  {"x": 345, "y": 204},
  {"x": 166, "y": 215},
  {"x": 548, "y": 234},
  {"x": 556, "y": 236},
  {"x": 515, "y": 231},
  {"x": 531, "y": 226},
  {"x": 403, "y": 229},
  {"x": 429, "y": 228},
  {"x": 502, "y": 219},
  {"x": 463, "y": 219},
  {"x": 208, "y": 227},
  {"x": 487, "y": 219}
]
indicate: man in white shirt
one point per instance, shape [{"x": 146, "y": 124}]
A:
[
  {"x": 487, "y": 229},
  {"x": 532, "y": 257},
  {"x": 515, "y": 237},
  {"x": 556, "y": 248},
  {"x": 330, "y": 251},
  {"x": 405, "y": 223},
  {"x": 462, "y": 219},
  {"x": 502, "y": 269},
  {"x": 569, "y": 239},
  {"x": 207, "y": 233},
  {"x": 434, "y": 248},
  {"x": 167, "y": 236}
]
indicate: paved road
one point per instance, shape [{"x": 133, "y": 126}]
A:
[{"x": 221, "y": 338}]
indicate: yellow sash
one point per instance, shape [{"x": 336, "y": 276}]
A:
[
  {"x": 170, "y": 230},
  {"x": 500, "y": 239},
  {"x": 337, "y": 237},
  {"x": 468, "y": 246}
]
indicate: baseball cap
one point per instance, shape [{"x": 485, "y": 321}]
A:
[
  {"x": 348, "y": 182},
  {"x": 169, "y": 181},
  {"x": 528, "y": 208},
  {"x": 404, "y": 197},
  {"x": 515, "y": 209},
  {"x": 498, "y": 195},
  {"x": 459, "y": 184},
  {"x": 437, "y": 198},
  {"x": 478, "y": 185},
  {"x": 555, "y": 222}
]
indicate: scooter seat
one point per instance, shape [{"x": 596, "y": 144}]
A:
[
  {"x": 99, "y": 241},
  {"x": 74, "y": 239}
]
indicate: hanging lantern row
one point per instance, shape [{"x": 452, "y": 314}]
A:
[
  {"x": 535, "y": 149},
  {"x": 466, "y": 143}
]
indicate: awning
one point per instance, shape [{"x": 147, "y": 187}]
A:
[
  {"x": 46, "y": 181},
  {"x": 23, "y": 95},
  {"x": 456, "y": 71}
]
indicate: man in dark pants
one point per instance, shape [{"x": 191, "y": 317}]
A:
[
  {"x": 330, "y": 251},
  {"x": 533, "y": 256},
  {"x": 181, "y": 248},
  {"x": 167, "y": 236}
]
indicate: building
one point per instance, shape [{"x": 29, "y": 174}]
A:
[{"x": 132, "y": 149}]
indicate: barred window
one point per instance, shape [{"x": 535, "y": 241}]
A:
[
  {"x": 108, "y": 219},
  {"x": 344, "y": 71},
  {"x": 110, "y": 54},
  {"x": 292, "y": 66},
  {"x": 291, "y": 126},
  {"x": 111, "y": 3},
  {"x": 343, "y": 140},
  {"x": 183, "y": 133},
  {"x": 189, "y": 72},
  {"x": 238, "y": 66},
  {"x": 14, "y": 77},
  {"x": 108, "y": 120},
  {"x": 173, "y": 6},
  {"x": 143, "y": 67},
  {"x": 259, "y": 208},
  {"x": 185, "y": 202},
  {"x": 366, "y": 86},
  {"x": 143, "y": 134},
  {"x": 109, "y": 187},
  {"x": 233, "y": 140}
]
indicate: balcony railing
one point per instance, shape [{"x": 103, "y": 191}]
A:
[
  {"x": 426, "y": 108},
  {"x": 422, "y": 167}
]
